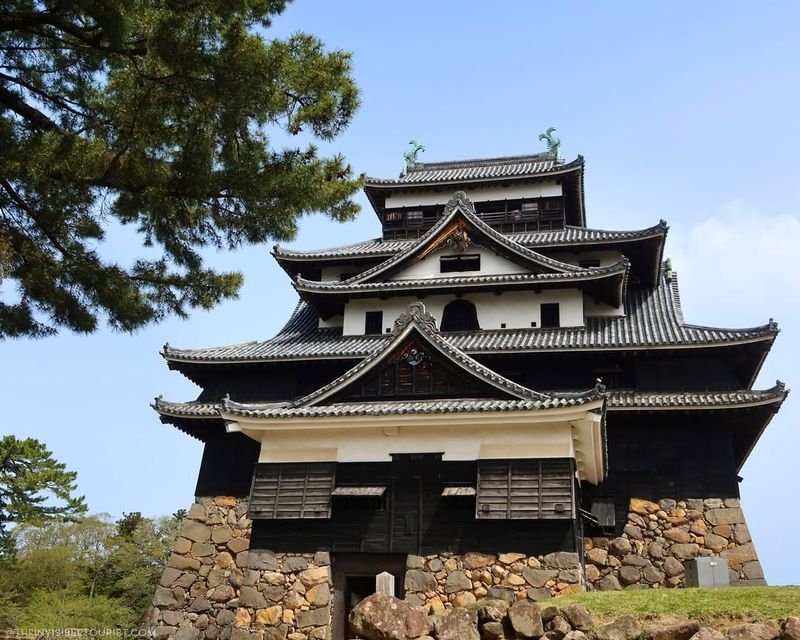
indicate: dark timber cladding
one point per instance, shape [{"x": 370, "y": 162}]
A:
[
  {"x": 416, "y": 513},
  {"x": 525, "y": 489}
]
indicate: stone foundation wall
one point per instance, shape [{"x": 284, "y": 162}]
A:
[
  {"x": 658, "y": 537},
  {"x": 440, "y": 582},
  {"x": 216, "y": 587}
]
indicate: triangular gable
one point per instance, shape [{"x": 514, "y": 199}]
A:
[
  {"x": 416, "y": 343},
  {"x": 460, "y": 227}
]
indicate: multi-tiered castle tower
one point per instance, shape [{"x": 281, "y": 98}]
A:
[{"x": 490, "y": 400}]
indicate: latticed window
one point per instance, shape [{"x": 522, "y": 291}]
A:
[
  {"x": 525, "y": 489},
  {"x": 292, "y": 491},
  {"x": 460, "y": 315}
]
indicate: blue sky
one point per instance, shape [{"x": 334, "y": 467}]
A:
[{"x": 684, "y": 111}]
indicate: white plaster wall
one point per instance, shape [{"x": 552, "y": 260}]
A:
[
  {"x": 593, "y": 309},
  {"x": 428, "y": 267},
  {"x": 606, "y": 258},
  {"x": 517, "y": 309},
  {"x": 331, "y": 323},
  {"x": 332, "y": 273},
  {"x": 547, "y": 188},
  {"x": 376, "y": 444}
]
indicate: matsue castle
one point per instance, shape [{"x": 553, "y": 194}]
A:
[{"x": 491, "y": 400}]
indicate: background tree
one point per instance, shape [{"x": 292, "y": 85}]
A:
[
  {"x": 33, "y": 487},
  {"x": 90, "y": 573},
  {"x": 158, "y": 116}
]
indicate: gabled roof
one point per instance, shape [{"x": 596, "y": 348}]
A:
[
  {"x": 652, "y": 320},
  {"x": 417, "y": 321},
  {"x": 459, "y": 218},
  {"x": 567, "y": 237},
  {"x": 458, "y": 171},
  {"x": 461, "y": 224}
]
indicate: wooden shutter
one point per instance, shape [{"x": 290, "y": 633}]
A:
[
  {"x": 525, "y": 489},
  {"x": 292, "y": 491}
]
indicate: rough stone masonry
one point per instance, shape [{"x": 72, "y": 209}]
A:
[{"x": 216, "y": 587}]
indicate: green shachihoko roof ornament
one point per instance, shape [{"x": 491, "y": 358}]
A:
[
  {"x": 411, "y": 155},
  {"x": 553, "y": 143}
]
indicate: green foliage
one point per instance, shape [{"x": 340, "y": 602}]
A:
[
  {"x": 33, "y": 486},
  {"x": 92, "y": 573},
  {"x": 63, "y": 610},
  {"x": 159, "y": 117},
  {"x": 711, "y": 606}
]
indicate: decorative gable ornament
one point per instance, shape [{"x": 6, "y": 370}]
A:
[
  {"x": 459, "y": 241},
  {"x": 460, "y": 200},
  {"x": 415, "y": 313}
]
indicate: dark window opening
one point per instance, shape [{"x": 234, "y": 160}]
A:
[
  {"x": 550, "y": 316},
  {"x": 373, "y": 322},
  {"x": 393, "y": 216},
  {"x": 460, "y": 315},
  {"x": 585, "y": 264},
  {"x": 451, "y": 264},
  {"x": 414, "y": 218}
]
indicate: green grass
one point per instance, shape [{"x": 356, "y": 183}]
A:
[{"x": 718, "y": 606}]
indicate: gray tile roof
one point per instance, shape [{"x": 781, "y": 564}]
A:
[
  {"x": 401, "y": 407},
  {"x": 578, "y": 275},
  {"x": 616, "y": 400},
  {"x": 568, "y": 236},
  {"x": 621, "y": 400},
  {"x": 479, "y": 169},
  {"x": 653, "y": 320}
]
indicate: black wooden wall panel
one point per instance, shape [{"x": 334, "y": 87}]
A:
[
  {"x": 413, "y": 517},
  {"x": 227, "y": 465}
]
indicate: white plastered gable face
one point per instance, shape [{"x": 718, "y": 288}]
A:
[{"x": 430, "y": 266}]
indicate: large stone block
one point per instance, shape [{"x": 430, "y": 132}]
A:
[
  {"x": 526, "y": 619},
  {"x": 250, "y": 597},
  {"x": 477, "y": 560},
  {"x": 457, "y": 624},
  {"x": 195, "y": 531},
  {"x": 626, "y": 627},
  {"x": 417, "y": 580},
  {"x": 170, "y": 575},
  {"x": 538, "y": 577},
  {"x": 561, "y": 560},
  {"x": 293, "y": 564},
  {"x": 685, "y": 551},
  {"x": 739, "y": 555},
  {"x": 165, "y": 598},
  {"x": 311, "y": 577},
  {"x": 457, "y": 581},
  {"x": 380, "y": 617},
  {"x": 754, "y": 631},
  {"x": 578, "y": 616},
  {"x": 725, "y": 516}
]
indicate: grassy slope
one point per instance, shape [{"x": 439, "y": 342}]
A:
[{"x": 719, "y": 606}]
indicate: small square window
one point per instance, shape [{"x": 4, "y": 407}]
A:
[{"x": 373, "y": 322}]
